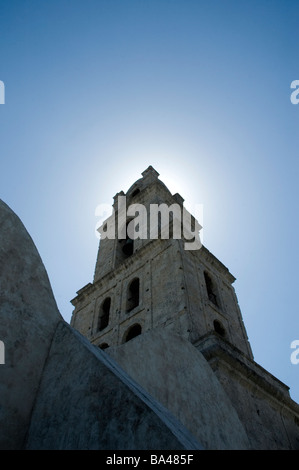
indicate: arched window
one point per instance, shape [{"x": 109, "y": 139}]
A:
[
  {"x": 133, "y": 295},
  {"x": 132, "y": 332},
  {"x": 104, "y": 314},
  {"x": 211, "y": 290},
  {"x": 135, "y": 192},
  {"x": 219, "y": 328},
  {"x": 127, "y": 245}
]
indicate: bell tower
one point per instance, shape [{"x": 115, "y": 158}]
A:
[{"x": 149, "y": 281}]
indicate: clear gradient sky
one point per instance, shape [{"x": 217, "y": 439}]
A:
[{"x": 98, "y": 90}]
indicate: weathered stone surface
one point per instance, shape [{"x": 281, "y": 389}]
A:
[
  {"x": 86, "y": 401},
  {"x": 28, "y": 318},
  {"x": 179, "y": 377},
  {"x": 269, "y": 416},
  {"x": 56, "y": 390}
]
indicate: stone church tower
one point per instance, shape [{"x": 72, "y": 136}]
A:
[{"x": 151, "y": 284}]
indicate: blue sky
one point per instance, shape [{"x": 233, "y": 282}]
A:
[{"x": 96, "y": 91}]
